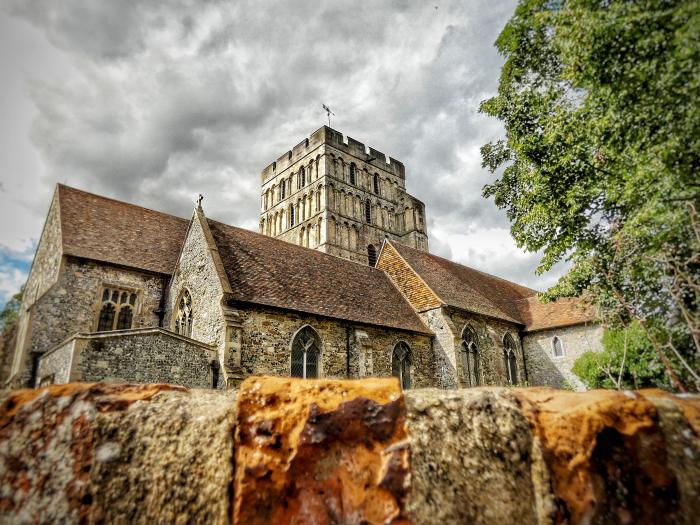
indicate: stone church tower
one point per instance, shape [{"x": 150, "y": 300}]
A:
[{"x": 340, "y": 197}]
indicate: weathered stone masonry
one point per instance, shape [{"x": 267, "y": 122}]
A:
[
  {"x": 150, "y": 355},
  {"x": 268, "y": 333},
  {"x": 298, "y": 451}
]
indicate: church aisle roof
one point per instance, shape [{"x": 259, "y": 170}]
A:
[
  {"x": 475, "y": 291},
  {"x": 116, "y": 232},
  {"x": 272, "y": 272},
  {"x": 537, "y": 315},
  {"x": 464, "y": 287}
]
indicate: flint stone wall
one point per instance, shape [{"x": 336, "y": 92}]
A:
[
  {"x": 544, "y": 368},
  {"x": 129, "y": 356},
  {"x": 267, "y": 342},
  {"x": 448, "y": 325},
  {"x": 298, "y": 451}
]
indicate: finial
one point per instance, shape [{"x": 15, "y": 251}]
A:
[
  {"x": 329, "y": 112},
  {"x": 199, "y": 200}
]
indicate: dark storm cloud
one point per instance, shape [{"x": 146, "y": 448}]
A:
[{"x": 168, "y": 99}]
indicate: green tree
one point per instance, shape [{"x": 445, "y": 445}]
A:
[
  {"x": 9, "y": 313},
  {"x": 601, "y": 157},
  {"x": 628, "y": 360}
]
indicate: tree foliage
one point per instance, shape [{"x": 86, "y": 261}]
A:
[
  {"x": 9, "y": 313},
  {"x": 628, "y": 360},
  {"x": 601, "y": 158}
]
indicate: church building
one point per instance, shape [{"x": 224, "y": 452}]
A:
[{"x": 338, "y": 283}]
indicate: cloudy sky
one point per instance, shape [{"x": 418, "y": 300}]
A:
[{"x": 154, "y": 102}]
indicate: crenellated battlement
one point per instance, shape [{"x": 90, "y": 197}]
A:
[{"x": 335, "y": 139}]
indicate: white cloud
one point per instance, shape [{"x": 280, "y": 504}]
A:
[{"x": 156, "y": 102}]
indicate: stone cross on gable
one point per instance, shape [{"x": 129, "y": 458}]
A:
[{"x": 199, "y": 200}]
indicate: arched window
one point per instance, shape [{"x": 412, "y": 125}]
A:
[
  {"x": 306, "y": 347},
  {"x": 117, "y": 310},
  {"x": 376, "y": 184},
  {"x": 368, "y": 212},
  {"x": 470, "y": 356},
  {"x": 125, "y": 318},
  {"x": 291, "y": 215},
  {"x": 183, "y": 320},
  {"x": 283, "y": 188},
  {"x": 401, "y": 364},
  {"x": 352, "y": 174},
  {"x": 558, "y": 347},
  {"x": 371, "y": 255},
  {"x": 509, "y": 360},
  {"x": 302, "y": 177}
]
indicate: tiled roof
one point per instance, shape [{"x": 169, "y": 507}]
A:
[
  {"x": 469, "y": 289},
  {"x": 464, "y": 287},
  {"x": 537, "y": 315},
  {"x": 107, "y": 230},
  {"x": 271, "y": 272}
]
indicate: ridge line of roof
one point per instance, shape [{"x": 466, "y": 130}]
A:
[{"x": 122, "y": 202}]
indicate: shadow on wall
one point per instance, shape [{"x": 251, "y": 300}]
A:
[{"x": 543, "y": 371}]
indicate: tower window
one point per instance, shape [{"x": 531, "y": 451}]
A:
[
  {"x": 302, "y": 177},
  {"x": 291, "y": 216},
  {"x": 368, "y": 212},
  {"x": 352, "y": 174},
  {"x": 306, "y": 347},
  {"x": 282, "y": 190},
  {"x": 117, "y": 310},
  {"x": 371, "y": 255},
  {"x": 376, "y": 184}
]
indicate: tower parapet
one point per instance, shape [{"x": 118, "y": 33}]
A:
[{"x": 334, "y": 193}]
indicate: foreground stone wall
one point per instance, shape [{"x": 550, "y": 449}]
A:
[{"x": 295, "y": 451}]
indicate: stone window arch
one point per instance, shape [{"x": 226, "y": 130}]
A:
[
  {"x": 376, "y": 183},
  {"x": 471, "y": 358},
  {"x": 371, "y": 255},
  {"x": 116, "y": 310},
  {"x": 557, "y": 347},
  {"x": 401, "y": 364},
  {"x": 511, "y": 364},
  {"x": 368, "y": 212},
  {"x": 353, "y": 174},
  {"x": 184, "y": 314},
  {"x": 306, "y": 349}
]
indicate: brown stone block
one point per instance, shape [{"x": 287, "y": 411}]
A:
[
  {"x": 608, "y": 454},
  {"x": 97, "y": 453},
  {"x": 317, "y": 451}
]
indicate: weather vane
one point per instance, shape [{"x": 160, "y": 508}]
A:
[{"x": 329, "y": 113}]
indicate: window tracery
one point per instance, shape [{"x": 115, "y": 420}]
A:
[
  {"x": 470, "y": 356},
  {"x": 306, "y": 347},
  {"x": 511, "y": 364},
  {"x": 117, "y": 310},
  {"x": 401, "y": 364},
  {"x": 184, "y": 317}
]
